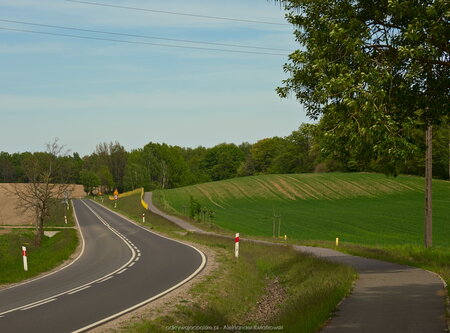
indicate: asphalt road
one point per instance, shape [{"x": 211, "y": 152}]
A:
[{"x": 122, "y": 266}]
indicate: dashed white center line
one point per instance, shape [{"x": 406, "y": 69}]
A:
[
  {"x": 120, "y": 272},
  {"x": 75, "y": 291},
  {"x": 132, "y": 264},
  {"x": 38, "y": 304}
]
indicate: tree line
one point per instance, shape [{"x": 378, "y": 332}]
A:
[{"x": 162, "y": 166}]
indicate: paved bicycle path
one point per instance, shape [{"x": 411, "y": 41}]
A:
[{"x": 386, "y": 298}]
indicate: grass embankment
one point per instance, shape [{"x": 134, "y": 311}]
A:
[
  {"x": 285, "y": 288},
  {"x": 369, "y": 209},
  {"x": 52, "y": 252},
  {"x": 57, "y": 212}
]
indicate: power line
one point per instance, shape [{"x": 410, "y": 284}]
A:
[
  {"x": 178, "y": 13},
  {"x": 142, "y": 36},
  {"x": 141, "y": 43}
]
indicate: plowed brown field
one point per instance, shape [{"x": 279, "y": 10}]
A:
[{"x": 10, "y": 215}]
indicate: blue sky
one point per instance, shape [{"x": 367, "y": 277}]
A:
[{"x": 89, "y": 91}]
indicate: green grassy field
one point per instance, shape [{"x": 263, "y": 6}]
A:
[{"x": 362, "y": 208}]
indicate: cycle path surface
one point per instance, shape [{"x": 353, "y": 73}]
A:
[{"x": 387, "y": 297}]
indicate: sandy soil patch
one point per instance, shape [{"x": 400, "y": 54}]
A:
[{"x": 9, "y": 215}]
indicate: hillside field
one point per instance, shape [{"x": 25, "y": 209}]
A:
[{"x": 363, "y": 208}]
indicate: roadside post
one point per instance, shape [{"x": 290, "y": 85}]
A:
[
  {"x": 337, "y": 241},
  {"x": 143, "y": 217},
  {"x": 116, "y": 196},
  {"x": 65, "y": 203},
  {"x": 236, "y": 246},
  {"x": 24, "y": 256}
]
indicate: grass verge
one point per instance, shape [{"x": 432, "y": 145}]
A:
[
  {"x": 57, "y": 212},
  {"x": 273, "y": 286},
  {"x": 52, "y": 252}
]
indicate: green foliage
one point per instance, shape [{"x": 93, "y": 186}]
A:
[
  {"x": 165, "y": 165},
  {"x": 89, "y": 180},
  {"x": 114, "y": 157},
  {"x": 295, "y": 153},
  {"x": 264, "y": 152},
  {"x": 194, "y": 208},
  {"x": 106, "y": 178},
  {"x": 222, "y": 161},
  {"x": 136, "y": 176},
  {"x": 372, "y": 70}
]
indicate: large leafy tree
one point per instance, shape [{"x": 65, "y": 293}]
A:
[
  {"x": 89, "y": 180},
  {"x": 373, "y": 71},
  {"x": 222, "y": 161}
]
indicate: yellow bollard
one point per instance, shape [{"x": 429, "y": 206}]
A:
[{"x": 337, "y": 241}]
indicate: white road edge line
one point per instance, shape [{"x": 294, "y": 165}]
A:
[
  {"x": 38, "y": 304},
  {"x": 64, "y": 267},
  {"x": 199, "y": 269},
  {"x": 89, "y": 283},
  {"x": 78, "y": 290},
  {"x": 109, "y": 277},
  {"x": 123, "y": 270}
]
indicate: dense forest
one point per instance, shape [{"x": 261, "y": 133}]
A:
[{"x": 163, "y": 166}]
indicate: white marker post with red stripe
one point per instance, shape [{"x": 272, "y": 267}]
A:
[
  {"x": 24, "y": 256},
  {"x": 236, "y": 246}
]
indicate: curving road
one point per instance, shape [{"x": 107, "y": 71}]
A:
[{"x": 122, "y": 266}]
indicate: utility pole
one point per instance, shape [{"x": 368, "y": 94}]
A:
[
  {"x": 273, "y": 226},
  {"x": 279, "y": 226},
  {"x": 428, "y": 187},
  {"x": 276, "y": 219}
]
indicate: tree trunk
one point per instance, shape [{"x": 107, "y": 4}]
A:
[
  {"x": 428, "y": 188},
  {"x": 39, "y": 229}
]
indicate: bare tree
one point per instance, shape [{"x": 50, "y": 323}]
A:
[{"x": 46, "y": 182}]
